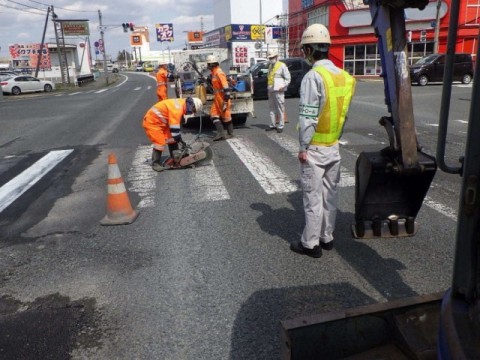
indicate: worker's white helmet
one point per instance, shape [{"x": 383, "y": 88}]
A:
[
  {"x": 212, "y": 59},
  {"x": 272, "y": 53},
  {"x": 198, "y": 104},
  {"x": 316, "y": 34}
]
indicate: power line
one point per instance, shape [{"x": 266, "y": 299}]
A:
[
  {"x": 28, "y": 6},
  {"x": 23, "y": 10},
  {"x": 57, "y": 7}
]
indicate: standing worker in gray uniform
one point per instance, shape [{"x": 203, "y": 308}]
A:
[
  {"x": 325, "y": 95},
  {"x": 278, "y": 79}
]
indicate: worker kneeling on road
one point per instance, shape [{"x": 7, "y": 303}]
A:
[
  {"x": 162, "y": 125},
  {"x": 325, "y": 95},
  {"x": 220, "y": 112}
]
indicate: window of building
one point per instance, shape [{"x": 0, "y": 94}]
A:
[
  {"x": 318, "y": 16},
  {"x": 364, "y": 59}
]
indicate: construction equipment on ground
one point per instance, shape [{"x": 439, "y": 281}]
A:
[
  {"x": 391, "y": 185},
  {"x": 192, "y": 80}
]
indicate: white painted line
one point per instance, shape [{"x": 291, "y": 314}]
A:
[
  {"x": 442, "y": 209},
  {"x": 288, "y": 143},
  {"x": 149, "y": 87},
  {"x": 75, "y": 93},
  {"x": 433, "y": 125},
  {"x": 100, "y": 91},
  {"x": 29, "y": 177},
  {"x": 142, "y": 178},
  {"x": 270, "y": 177},
  {"x": 207, "y": 185},
  {"x": 462, "y": 121},
  {"x": 137, "y": 88}
]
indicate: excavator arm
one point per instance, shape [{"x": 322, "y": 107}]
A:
[{"x": 392, "y": 183}]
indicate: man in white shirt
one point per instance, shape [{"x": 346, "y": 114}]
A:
[{"x": 278, "y": 79}]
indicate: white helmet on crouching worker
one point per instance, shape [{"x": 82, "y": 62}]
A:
[
  {"x": 193, "y": 105},
  {"x": 317, "y": 38}
]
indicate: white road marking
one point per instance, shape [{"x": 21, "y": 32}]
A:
[
  {"x": 462, "y": 121},
  {"x": 137, "y": 88},
  {"x": 149, "y": 87},
  {"x": 288, "y": 143},
  {"x": 100, "y": 91},
  {"x": 270, "y": 177},
  {"x": 442, "y": 209},
  {"x": 75, "y": 93},
  {"x": 13, "y": 189},
  {"x": 142, "y": 178},
  {"x": 207, "y": 185}
]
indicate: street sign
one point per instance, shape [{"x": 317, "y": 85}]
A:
[{"x": 96, "y": 43}]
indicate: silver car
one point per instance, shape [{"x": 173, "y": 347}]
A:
[{"x": 18, "y": 84}]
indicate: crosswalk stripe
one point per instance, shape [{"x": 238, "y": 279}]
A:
[
  {"x": 13, "y": 189},
  {"x": 270, "y": 177},
  {"x": 346, "y": 177},
  {"x": 207, "y": 185},
  {"x": 141, "y": 178}
]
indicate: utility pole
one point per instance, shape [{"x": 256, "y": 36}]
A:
[
  {"x": 437, "y": 27},
  {"x": 39, "y": 57},
  {"x": 105, "y": 69}
]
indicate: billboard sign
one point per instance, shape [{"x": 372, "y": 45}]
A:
[
  {"x": 164, "y": 32},
  {"x": 75, "y": 27},
  {"x": 25, "y": 56}
]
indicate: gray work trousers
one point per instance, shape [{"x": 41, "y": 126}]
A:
[
  {"x": 320, "y": 177},
  {"x": 276, "y": 104}
]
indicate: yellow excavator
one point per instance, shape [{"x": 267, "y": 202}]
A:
[{"x": 390, "y": 187}]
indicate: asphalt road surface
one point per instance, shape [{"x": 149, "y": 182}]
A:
[{"x": 205, "y": 271}]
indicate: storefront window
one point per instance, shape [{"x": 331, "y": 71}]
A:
[
  {"x": 362, "y": 59},
  {"x": 418, "y": 50}
]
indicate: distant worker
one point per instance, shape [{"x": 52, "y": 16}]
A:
[
  {"x": 162, "y": 81},
  {"x": 220, "y": 112},
  {"x": 162, "y": 125},
  {"x": 278, "y": 79},
  {"x": 325, "y": 95}
]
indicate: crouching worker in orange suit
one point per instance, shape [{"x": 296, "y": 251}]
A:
[{"x": 162, "y": 125}]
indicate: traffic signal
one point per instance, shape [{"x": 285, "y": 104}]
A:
[{"x": 127, "y": 26}]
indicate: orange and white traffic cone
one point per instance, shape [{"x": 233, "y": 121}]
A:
[{"x": 119, "y": 209}]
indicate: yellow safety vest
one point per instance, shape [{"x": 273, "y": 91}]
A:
[
  {"x": 339, "y": 90},
  {"x": 271, "y": 73}
]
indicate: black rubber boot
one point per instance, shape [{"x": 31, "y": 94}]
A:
[
  {"x": 172, "y": 148},
  {"x": 157, "y": 160},
  {"x": 230, "y": 129},
  {"x": 220, "y": 132}
]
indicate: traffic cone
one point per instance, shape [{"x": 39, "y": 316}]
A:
[{"x": 119, "y": 209}]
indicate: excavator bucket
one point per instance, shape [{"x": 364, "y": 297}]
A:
[
  {"x": 401, "y": 329},
  {"x": 388, "y": 197}
]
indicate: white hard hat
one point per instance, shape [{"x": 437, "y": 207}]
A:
[
  {"x": 211, "y": 59},
  {"x": 316, "y": 34},
  {"x": 272, "y": 53},
  {"x": 198, "y": 104}
]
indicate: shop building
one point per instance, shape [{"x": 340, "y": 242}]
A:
[{"x": 354, "y": 45}]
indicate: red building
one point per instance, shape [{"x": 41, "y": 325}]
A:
[{"x": 354, "y": 45}]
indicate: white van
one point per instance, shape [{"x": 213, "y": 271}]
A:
[{"x": 254, "y": 61}]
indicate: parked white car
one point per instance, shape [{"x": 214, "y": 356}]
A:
[{"x": 18, "y": 84}]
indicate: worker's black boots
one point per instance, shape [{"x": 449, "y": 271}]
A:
[
  {"x": 156, "y": 160},
  {"x": 220, "y": 132},
  {"x": 230, "y": 129}
]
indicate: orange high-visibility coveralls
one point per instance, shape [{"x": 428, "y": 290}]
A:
[
  {"x": 220, "y": 84},
  {"x": 162, "y": 122},
  {"x": 162, "y": 83}
]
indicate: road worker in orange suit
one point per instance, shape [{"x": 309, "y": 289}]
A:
[
  {"x": 162, "y": 125},
  {"x": 220, "y": 112},
  {"x": 162, "y": 81}
]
